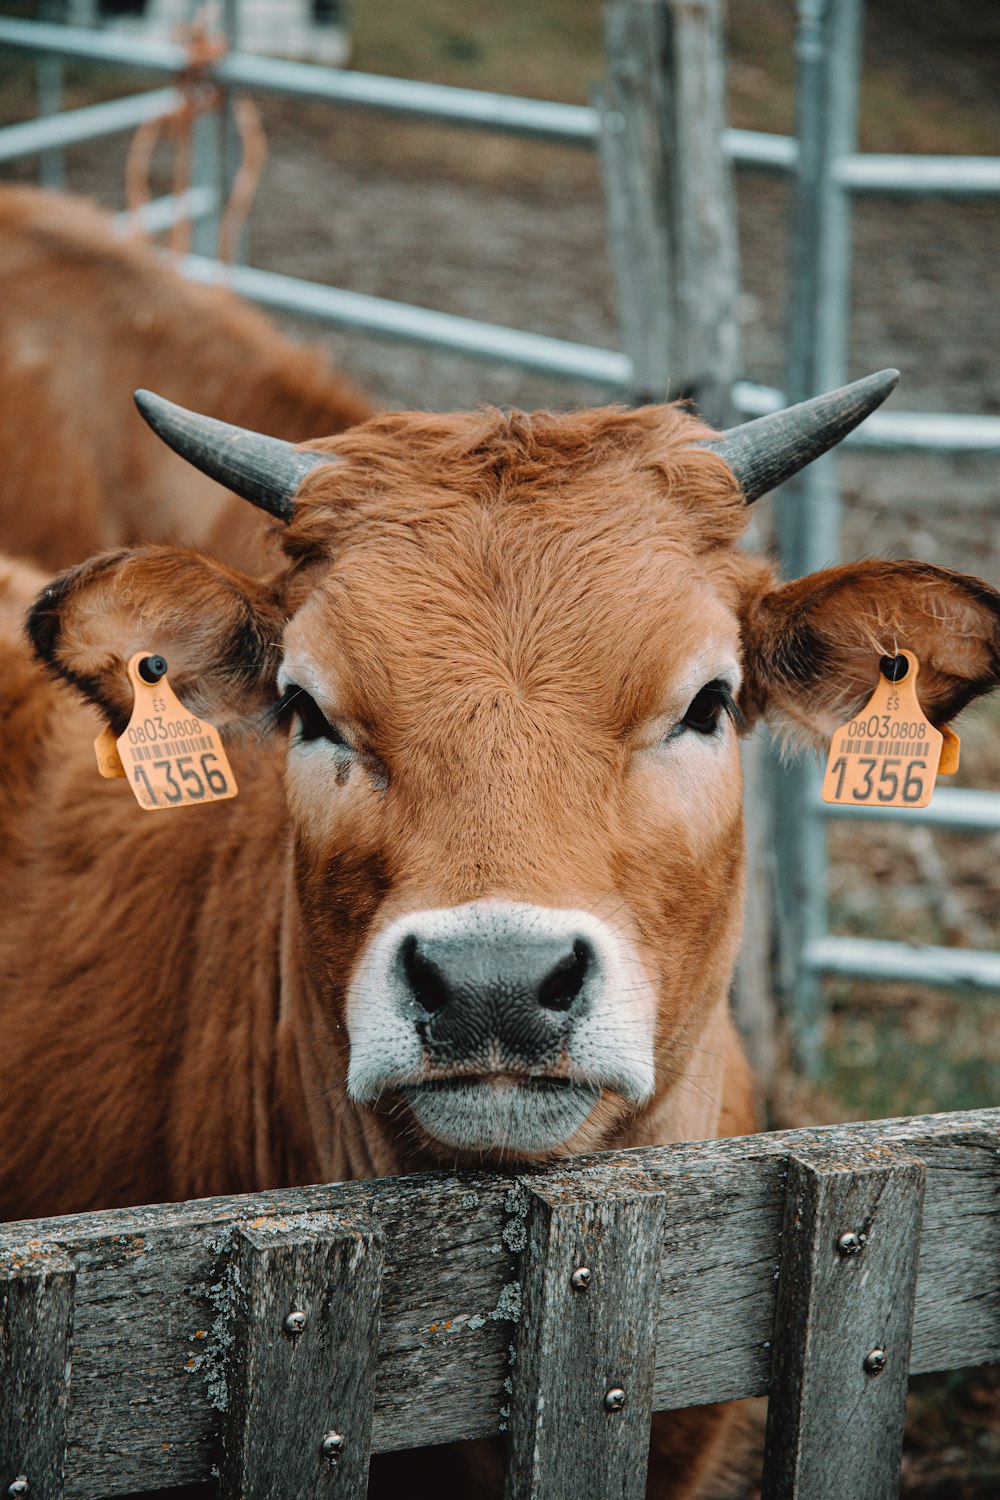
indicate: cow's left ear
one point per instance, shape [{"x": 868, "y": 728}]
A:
[
  {"x": 812, "y": 647},
  {"x": 219, "y": 630}
]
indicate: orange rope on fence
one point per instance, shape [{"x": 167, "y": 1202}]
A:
[
  {"x": 137, "y": 168},
  {"x": 244, "y": 189},
  {"x": 200, "y": 95}
]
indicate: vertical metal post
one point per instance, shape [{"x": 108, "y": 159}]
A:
[
  {"x": 49, "y": 75},
  {"x": 232, "y": 149},
  {"x": 827, "y": 54},
  {"x": 83, "y": 12},
  {"x": 206, "y": 173}
]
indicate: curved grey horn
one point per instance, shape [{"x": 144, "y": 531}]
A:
[
  {"x": 266, "y": 471},
  {"x": 764, "y": 453}
]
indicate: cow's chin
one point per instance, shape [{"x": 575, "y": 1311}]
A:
[{"x": 502, "y": 1118}]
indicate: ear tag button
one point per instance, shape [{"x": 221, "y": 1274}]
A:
[
  {"x": 169, "y": 756},
  {"x": 889, "y": 754}
]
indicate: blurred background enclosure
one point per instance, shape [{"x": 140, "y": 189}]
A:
[{"x": 513, "y": 232}]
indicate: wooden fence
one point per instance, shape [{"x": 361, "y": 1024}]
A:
[{"x": 277, "y": 1339}]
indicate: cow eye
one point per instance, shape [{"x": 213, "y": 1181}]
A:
[
  {"x": 707, "y": 708},
  {"x": 296, "y": 703}
]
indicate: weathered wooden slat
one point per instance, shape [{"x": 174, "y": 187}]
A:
[
  {"x": 583, "y": 1365},
  {"x": 843, "y": 1322},
  {"x": 36, "y": 1327},
  {"x": 671, "y": 210},
  {"x": 148, "y": 1363},
  {"x": 636, "y": 199},
  {"x": 301, "y": 1371}
]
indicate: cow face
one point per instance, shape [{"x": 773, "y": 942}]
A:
[
  {"x": 491, "y": 774},
  {"x": 512, "y": 657}
]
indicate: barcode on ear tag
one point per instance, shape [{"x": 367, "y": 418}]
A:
[
  {"x": 888, "y": 755},
  {"x": 171, "y": 758}
]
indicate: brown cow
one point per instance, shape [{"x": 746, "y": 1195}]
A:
[
  {"x": 88, "y": 316},
  {"x": 479, "y": 896}
]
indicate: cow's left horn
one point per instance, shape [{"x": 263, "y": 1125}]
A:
[
  {"x": 764, "y": 453},
  {"x": 266, "y": 471}
]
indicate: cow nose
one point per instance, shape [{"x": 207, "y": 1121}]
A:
[{"x": 524, "y": 993}]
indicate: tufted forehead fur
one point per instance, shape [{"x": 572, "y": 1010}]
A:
[
  {"x": 604, "y": 475},
  {"x": 523, "y": 559},
  {"x": 511, "y": 598}
]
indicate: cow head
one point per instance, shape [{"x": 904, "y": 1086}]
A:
[{"x": 512, "y": 657}]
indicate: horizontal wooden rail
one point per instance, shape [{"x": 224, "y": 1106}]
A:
[{"x": 151, "y": 1303}]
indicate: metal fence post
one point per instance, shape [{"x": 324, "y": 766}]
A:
[
  {"x": 232, "y": 148},
  {"x": 83, "y": 12},
  {"x": 827, "y": 47},
  {"x": 49, "y": 75},
  {"x": 206, "y": 176}
]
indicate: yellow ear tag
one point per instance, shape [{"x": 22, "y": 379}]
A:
[
  {"x": 169, "y": 757},
  {"x": 888, "y": 755}
]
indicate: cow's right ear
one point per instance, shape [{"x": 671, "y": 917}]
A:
[
  {"x": 812, "y": 647},
  {"x": 219, "y": 630}
]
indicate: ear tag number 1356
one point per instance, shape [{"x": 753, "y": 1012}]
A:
[
  {"x": 169, "y": 756},
  {"x": 889, "y": 755}
]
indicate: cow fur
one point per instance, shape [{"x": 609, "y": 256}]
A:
[
  {"x": 89, "y": 316},
  {"x": 507, "y": 615}
]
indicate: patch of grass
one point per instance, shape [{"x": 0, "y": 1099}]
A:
[
  {"x": 548, "y": 50},
  {"x": 952, "y": 1449},
  {"x": 906, "y": 1051}
]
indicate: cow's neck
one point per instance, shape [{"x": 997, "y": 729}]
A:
[{"x": 335, "y": 1139}]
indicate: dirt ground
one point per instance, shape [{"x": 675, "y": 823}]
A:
[{"x": 514, "y": 233}]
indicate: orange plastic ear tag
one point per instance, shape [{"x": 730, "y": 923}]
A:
[
  {"x": 889, "y": 755},
  {"x": 109, "y": 762},
  {"x": 169, "y": 757},
  {"x": 950, "y": 752}
]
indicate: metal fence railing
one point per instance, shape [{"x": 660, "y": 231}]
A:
[
  {"x": 828, "y": 59},
  {"x": 827, "y": 171},
  {"x": 570, "y": 124}
]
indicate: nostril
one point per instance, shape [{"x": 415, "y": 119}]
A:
[
  {"x": 427, "y": 984},
  {"x": 562, "y": 985}
]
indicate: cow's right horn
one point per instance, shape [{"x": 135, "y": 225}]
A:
[
  {"x": 764, "y": 453},
  {"x": 266, "y": 471}
]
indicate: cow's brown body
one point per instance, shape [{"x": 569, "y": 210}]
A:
[
  {"x": 86, "y": 317},
  {"x": 508, "y": 622}
]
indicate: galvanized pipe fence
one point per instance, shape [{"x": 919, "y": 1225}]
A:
[
  {"x": 276, "y": 1340},
  {"x": 828, "y": 46},
  {"x": 674, "y": 253},
  {"x": 578, "y": 125}
]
